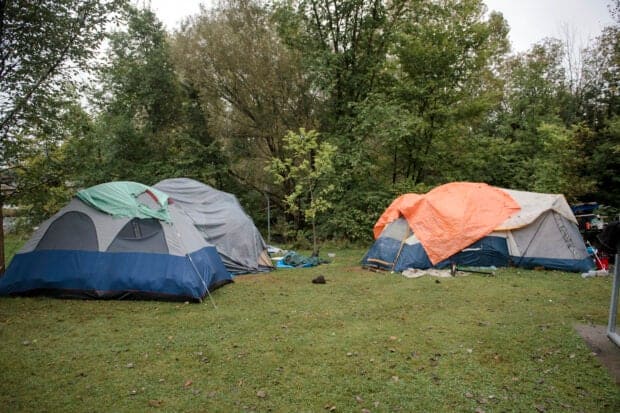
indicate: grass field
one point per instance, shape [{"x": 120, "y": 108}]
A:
[{"x": 363, "y": 341}]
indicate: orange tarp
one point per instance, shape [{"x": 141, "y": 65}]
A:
[{"x": 451, "y": 217}]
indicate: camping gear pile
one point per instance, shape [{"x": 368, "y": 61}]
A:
[{"x": 477, "y": 225}]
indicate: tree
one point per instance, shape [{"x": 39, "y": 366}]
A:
[
  {"x": 149, "y": 126},
  {"x": 252, "y": 87},
  {"x": 44, "y": 45},
  {"x": 308, "y": 165},
  {"x": 344, "y": 45},
  {"x": 557, "y": 167},
  {"x": 535, "y": 87},
  {"x": 439, "y": 83}
]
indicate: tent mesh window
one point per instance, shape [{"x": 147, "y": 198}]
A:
[
  {"x": 71, "y": 231},
  {"x": 140, "y": 235}
]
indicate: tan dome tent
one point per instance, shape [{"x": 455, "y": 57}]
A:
[
  {"x": 474, "y": 224},
  {"x": 221, "y": 220}
]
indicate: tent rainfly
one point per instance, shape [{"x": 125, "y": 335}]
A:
[
  {"x": 117, "y": 240},
  {"x": 221, "y": 220},
  {"x": 474, "y": 224}
]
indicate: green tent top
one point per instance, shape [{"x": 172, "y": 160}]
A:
[{"x": 123, "y": 199}]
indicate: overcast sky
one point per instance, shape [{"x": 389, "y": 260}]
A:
[{"x": 530, "y": 20}]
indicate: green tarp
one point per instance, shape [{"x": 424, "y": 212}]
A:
[{"x": 121, "y": 199}]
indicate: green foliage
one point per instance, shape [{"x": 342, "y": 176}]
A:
[
  {"x": 149, "y": 126},
  {"x": 43, "y": 45},
  {"x": 355, "y": 215},
  {"x": 604, "y": 164},
  {"x": 307, "y": 168},
  {"x": 556, "y": 168},
  {"x": 13, "y": 241},
  {"x": 251, "y": 86},
  {"x": 344, "y": 44}
]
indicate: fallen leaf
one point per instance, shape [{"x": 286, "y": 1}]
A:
[
  {"x": 261, "y": 393},
  {"x": 155, "y": 403},
  {"x": 129, "y": 365},
  {"x": 393, "y": 338},
  {"x": 188, "y": 383},
  {"x": 395, "y": 378},
  {"x": 359, "y": 399},
  {"x": 540, "y": 408},
  {"x": 469, "y": 395}
]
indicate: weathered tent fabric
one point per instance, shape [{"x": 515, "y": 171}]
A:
[
  {"x": 533, "y": 205},
  {"x": 87, "y": 253},
  {"x": 452, "y": 216},
  {"x": 543, "y": 233},
  {"x": 221, "y": 220},
  {"x": 120, "y": 199},
  {"x": 393, "y": 212}
]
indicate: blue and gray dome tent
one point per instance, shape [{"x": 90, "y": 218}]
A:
[{"x": 119, "y": 240}]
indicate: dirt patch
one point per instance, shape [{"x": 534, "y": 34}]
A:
[{"x": 606, "y": 351}]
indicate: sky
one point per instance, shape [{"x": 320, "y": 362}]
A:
[{"x": 530, "y": 20}]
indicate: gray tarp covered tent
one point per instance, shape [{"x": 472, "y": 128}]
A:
[{"x": 222, "y": 222}]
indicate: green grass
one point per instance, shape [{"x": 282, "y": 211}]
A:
[
  {"x": 12, "y": 243},
  {"x": 279, "y": 343}
]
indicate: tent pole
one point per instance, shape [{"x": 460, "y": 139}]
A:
[
  {"x": 402, "y": 244},
  {"x": 201, "y": 279}
]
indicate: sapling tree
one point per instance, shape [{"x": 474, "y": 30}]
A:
[{"x": 307, "y": 169}]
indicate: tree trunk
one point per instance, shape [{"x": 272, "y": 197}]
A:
[{"x": 315, "y": 251}]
